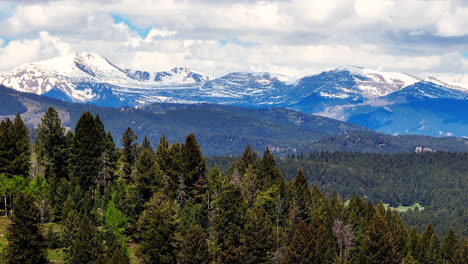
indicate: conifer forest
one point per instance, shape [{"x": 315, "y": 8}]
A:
[{"x": 77, "y": 196}]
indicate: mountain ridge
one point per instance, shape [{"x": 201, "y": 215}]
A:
[
  {"x": 345, "y": 93},
  {"x": 226, "y": 130}
]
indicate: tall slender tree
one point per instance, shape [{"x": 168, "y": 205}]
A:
[
  {"x": 25, "y": 241},
  {"x": 194, "y": 168},
  {"x": 86, "y": 152}
]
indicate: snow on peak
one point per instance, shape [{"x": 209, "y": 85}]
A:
[{"x": 375, "y": 83}]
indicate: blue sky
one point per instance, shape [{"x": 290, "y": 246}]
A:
[
  {"x": 142, "y": 32},
  {"x": 293, "y": 37}
]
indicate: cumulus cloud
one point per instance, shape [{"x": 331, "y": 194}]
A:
[{"x": 295, "y": 37}]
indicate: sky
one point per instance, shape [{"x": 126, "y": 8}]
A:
[{"x": 292, "y": 37}]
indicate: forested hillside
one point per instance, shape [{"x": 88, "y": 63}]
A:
[
  {"x": 226, "y": 130},
  {"x": 77, "y": 194},
  {"x": 437, "y": 182}
]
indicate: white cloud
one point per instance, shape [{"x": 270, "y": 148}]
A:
[{"x": 295, "y": 37}]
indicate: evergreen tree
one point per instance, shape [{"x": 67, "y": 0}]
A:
[
  {"x": 379, "y": 244},
  {"x": 258, "y": 239},
  {"x": 51, "y": 145},
  {"x": 268, "y": 173},
  {"x": 146, "y": 144},
  {"x": 173, "y": 171},
  {"x": 194, "y": 247},
  {"x": 229, "y": 222},
  {"x": 129, "y": 152},
  {"x": 300, "y": 198},
  {"x": 194, "y": 168},
  {"x": 299, "y": 247},
  {"x": 86, "y": 152},
  {"x": 430, "y": 246},
  {"x": 249, "y": 157},
  {"x": 14, "y": 147},
  {"x": 85, "y": 243},
  {"x": 52, "y": 152},
  {"x": 25, "y": 241},
  {"x": 147, "y": 178},
  {"x": 449, "y": 247},
  {"x": 7, "y": 146},
  {"x": 156, "y": 228}
]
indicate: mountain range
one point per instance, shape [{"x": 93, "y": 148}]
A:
[
  {"x": 226, "y": 130},
  {"x": 389, "y": 102}
]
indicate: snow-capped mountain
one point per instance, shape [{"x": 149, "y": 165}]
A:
[
  {"x": 88, "y": 77},
  {"x": 347, "y": 93}
]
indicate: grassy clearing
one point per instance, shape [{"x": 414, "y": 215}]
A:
[
  {"x": 56, "y": 255},
  {"x": 4, "y": 222},
  {"x": 403, "y": 209}
]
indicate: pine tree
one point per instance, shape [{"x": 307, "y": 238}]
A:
[
  {"x": 156, "y": 228},
  {"x": 14, "y": 147},
  {"x": 85, "y": 243},
  {"x": 430, "y": 246},
  {"x": 450, "y": 246},
  {"x": 173, "y": 171},
  {"x": 258, "y": 239},
  {"x": 51, "y": 144},
  {"x": 229, "y": 221},
  {"x": 268, "y": 173},
  {"x": 7, "y": 146},
  {"x": 194, "y": 247},
  {"x": 51, "y": 149},
  {"x": 21, "y": 162},
  {"x": 112, "y": 251},
  {"x": 300, "y": 198},
  {"x": 146, "y": 144},
  {"x": 249, "y": 157},
  {"x": 86, "y": 152},
  {"x": 26, "y": 243},
  {"x": 194, "y": 168},
  {"x": 147, "y": 178},
  {"x": 129, "y": 152},
  {"x": 299, "y": 246},
  {"x": 379, "y": 244}
]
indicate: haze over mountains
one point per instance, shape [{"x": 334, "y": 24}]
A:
[{"x": 390, "y": 102}]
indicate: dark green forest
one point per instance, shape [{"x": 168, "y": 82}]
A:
[
  {"x": 437, "y": 181},
  {"x": 76, "y": 193}
]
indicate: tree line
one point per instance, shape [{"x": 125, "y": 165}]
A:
[{"x": 174, "y": 210}]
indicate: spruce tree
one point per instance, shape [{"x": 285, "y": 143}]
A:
[
  {"x": 7, "y": 146},
  {"x": 379, "y": 244},
  {"x": 86, "y": 152},
  {"x": 194, "y": 168},
  {"x": 258, "y": 239},
  {"x": 51, "y": 145},
  {"x": 146, "y": 144},
  {"x": 156, "y": 228},
  {"x": 450, "y": 246},
  {"x": 52, "y": 152},
  {"x": 194, "y": 247},
  {"x": 85, "y": 243},
  {"x": 147, "y": 178},
  {"x": 249, "y": 157},
  {"x": 268, "y": 173},
  {"x": 25, "y": 241},
  {"x": 229, "y": 222},
  {"x": 299, "y": 247},
  {"x": 129, "y": 152},
  {"x": 300, "y": 198},
  {"x": 14, "y": 147},
  {"x": 22, "y": 152}
]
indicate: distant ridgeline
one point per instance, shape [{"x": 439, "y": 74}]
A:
[
  {"x": 226, "y": 130},
  {"x": 170, "y": 208}
]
